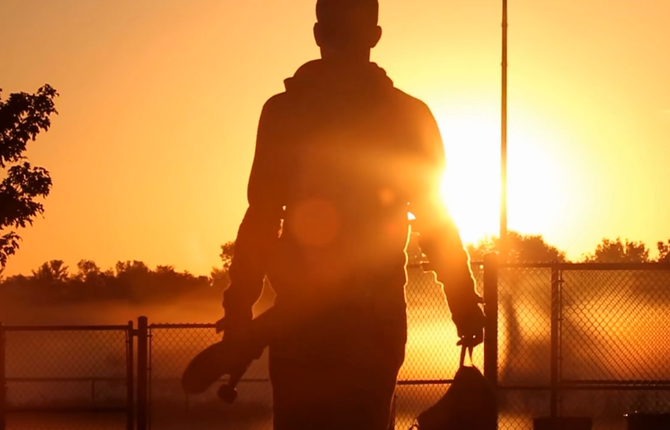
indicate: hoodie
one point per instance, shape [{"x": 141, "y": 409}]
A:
[
  {"x": 341, "y": 157},
  {"x": 347, "y": 80}
]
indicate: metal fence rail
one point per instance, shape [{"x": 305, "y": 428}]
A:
[{"x": 563, "y": 340}]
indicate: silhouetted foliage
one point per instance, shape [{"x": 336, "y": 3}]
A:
[
  {"x": 88, "y": 271},
  {"x": 51, "y": 272},
  {"x": 227, "y": 252},
  {"x": 219, "y": 275},
  {"x": 22, "y": 117},
  {"x": 134, "y": 281},
  {"x": 618, "y": 251},
  {"x": 663, "y": 252},
  {"x": 130, "y": 281},
  {"x": 522, "y": 249}
]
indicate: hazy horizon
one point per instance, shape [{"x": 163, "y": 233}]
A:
[{"x": 159, "y": 103}]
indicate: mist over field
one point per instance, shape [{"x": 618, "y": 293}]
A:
[{"x": 112, "y": 312}]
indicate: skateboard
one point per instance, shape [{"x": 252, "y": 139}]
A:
[
  {"x": 228, "y": 358},
  {"x": 207, "y": 367}
]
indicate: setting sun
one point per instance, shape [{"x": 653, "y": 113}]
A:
[
  {"x": 471, "y": 184},
  {"x": 537, "y": 177}
]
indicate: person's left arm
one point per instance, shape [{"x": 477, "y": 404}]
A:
[{"x": 261, "y": 224}]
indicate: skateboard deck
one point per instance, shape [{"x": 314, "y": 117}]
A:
[
  {"x": 222, "y": 358},
  {"x": 204, "y": 369}
]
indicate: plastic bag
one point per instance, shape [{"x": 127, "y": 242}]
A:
[{"x": 469, "y": 403}]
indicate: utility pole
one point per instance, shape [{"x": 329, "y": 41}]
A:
[{"x": 503, "y": 142}]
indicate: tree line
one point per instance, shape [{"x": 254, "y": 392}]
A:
[
  {"x": 134, "y": 281},
  {"x": 534, "y": 249},
  {"x": 130, "y": 281}
]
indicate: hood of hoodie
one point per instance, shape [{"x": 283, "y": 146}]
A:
[{"x": 322, "y": 79}]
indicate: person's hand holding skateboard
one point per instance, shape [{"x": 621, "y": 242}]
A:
[
  {"x": 238, "y": 338},
  {"x": 238, "y": 353}
]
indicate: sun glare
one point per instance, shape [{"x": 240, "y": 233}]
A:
[{"x": 471, "y": 184}]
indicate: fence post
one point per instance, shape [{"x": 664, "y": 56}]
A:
[
  {"x": 130, "y": 377},
  {"x": 142, "y": 372},
  {"x": 3, "y": 380},
  {"x": 555, "y": 321},
  {"x": 491, "y": 310}
]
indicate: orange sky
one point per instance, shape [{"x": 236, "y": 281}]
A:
[{"x": 160, "y": 100}]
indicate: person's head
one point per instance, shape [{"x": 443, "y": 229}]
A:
[{"x": 347, "y": 29}]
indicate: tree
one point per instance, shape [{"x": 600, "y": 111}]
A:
[
  {"x": 87, "y": 269},
  {"x": 219, "y": 275},
  {"x": 477, "y": 251},
  {"x": 131, "y": 268},
  {"x": 51, "y": 281},
  {"x": 522, "y": 249},
  {"x": 663, "y": 252},
  {"x": 227, "y": 252},
  {"x": 52, "y": 272},
  {"x": 165, "y": 270},
  {"x": 90, "y": 276},
  {"x": 22, "y": 117},
  {"x": 616, "y": 251}
]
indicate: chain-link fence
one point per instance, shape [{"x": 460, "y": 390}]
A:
[
  {"x": 66, "y": 377},
  {"x": 565, "y": 340},
  {"x": 431, "y": 361},
  {"x": 571, "y": 340},
  {"x": 583, "y": 340},
  {"x": 432, "y": 356},
  {"x": 524, "y": 345}
]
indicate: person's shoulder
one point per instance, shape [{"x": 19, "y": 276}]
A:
[
  {"x": 276, "y": 102},
  {"x": 416, "y": 116},
  {"x": 410, "y": 104},
  {"x": 275, "y": 110}
]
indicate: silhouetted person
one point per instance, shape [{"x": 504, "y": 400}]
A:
[{"x": 341, "y": 157}]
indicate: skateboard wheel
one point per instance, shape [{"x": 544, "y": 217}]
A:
[{"x": 227, "y": 394}]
